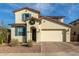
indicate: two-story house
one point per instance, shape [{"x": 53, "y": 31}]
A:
[{"x": 30, "y": 25}]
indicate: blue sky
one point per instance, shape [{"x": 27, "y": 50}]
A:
[{"x": 70, "y": 11}]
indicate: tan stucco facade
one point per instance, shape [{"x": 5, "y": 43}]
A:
[
  {"x": 47, "y": 31},
  {"x": 18, "y": 15},
  {"x": 56, "y": 27}
]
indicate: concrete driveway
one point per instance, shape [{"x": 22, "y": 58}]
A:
[{"x": 55, "y": 47}]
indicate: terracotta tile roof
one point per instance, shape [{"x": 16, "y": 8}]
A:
[
  {"x": 26, "y": 8},
  {"x": 52, "y": 17},
  {"x": 56, "y": 18},
  {"x": 52, "y": 20}
]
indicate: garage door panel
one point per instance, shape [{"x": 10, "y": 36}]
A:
[{"x": 55, "y": 36}]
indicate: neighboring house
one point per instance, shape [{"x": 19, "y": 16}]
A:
[
  {"x": 75, "y": 30},
  {"x": 30, "y": 25}
]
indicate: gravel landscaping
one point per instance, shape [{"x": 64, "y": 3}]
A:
[{"x": 20, "y": 49}]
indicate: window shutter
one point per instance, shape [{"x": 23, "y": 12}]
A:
[
  {"x": 24, "y": 31},
  {"x": 29, "y": 15},
  {"x": 23, "y": 17},
  {"x": 16, "y": 32}
]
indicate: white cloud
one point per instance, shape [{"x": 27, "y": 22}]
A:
[
  {"x": 5, "y": 10},
  {"x": 13, "y": 4},
  {"x": 8, "y": 10},
  {"x": 73, "y": 8},
  {"x": 44, "y": 8}
]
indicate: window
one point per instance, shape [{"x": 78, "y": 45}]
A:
[
  {"x": 25, "y": 16},
  {"x": 20, "y": 31}
]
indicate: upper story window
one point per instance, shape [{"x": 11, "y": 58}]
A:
[{"x": 25, "y": 16}]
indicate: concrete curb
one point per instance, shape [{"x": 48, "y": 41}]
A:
[{"x": 41, "y": 54}]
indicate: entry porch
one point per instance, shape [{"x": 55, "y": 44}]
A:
[{"x": 22, "y": 33}]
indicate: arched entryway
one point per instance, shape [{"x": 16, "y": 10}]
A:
[{"x": 33, "y": 30}]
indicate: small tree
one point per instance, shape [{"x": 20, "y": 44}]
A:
[
  {"x": 1, "y": 39},
  {"x": 4, "y": 32}
]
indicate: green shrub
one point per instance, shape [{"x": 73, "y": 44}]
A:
[
  {"x": 29, "y": 43},
  {"x": 1, "y": 39},
  {"x": 14, "y": 42}
]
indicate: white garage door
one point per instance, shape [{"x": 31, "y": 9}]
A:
[{"x": 53, "y": 36}]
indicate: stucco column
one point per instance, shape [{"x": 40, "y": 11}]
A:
[
  {"x": 68, "y": 35},
  {"x": 30, "y": 34},
  {"x": 27, "y": 32}
]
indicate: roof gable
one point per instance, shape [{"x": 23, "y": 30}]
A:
[
  {"x": 33, "y": 10},
  {"x": 56, "y": 22}
]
